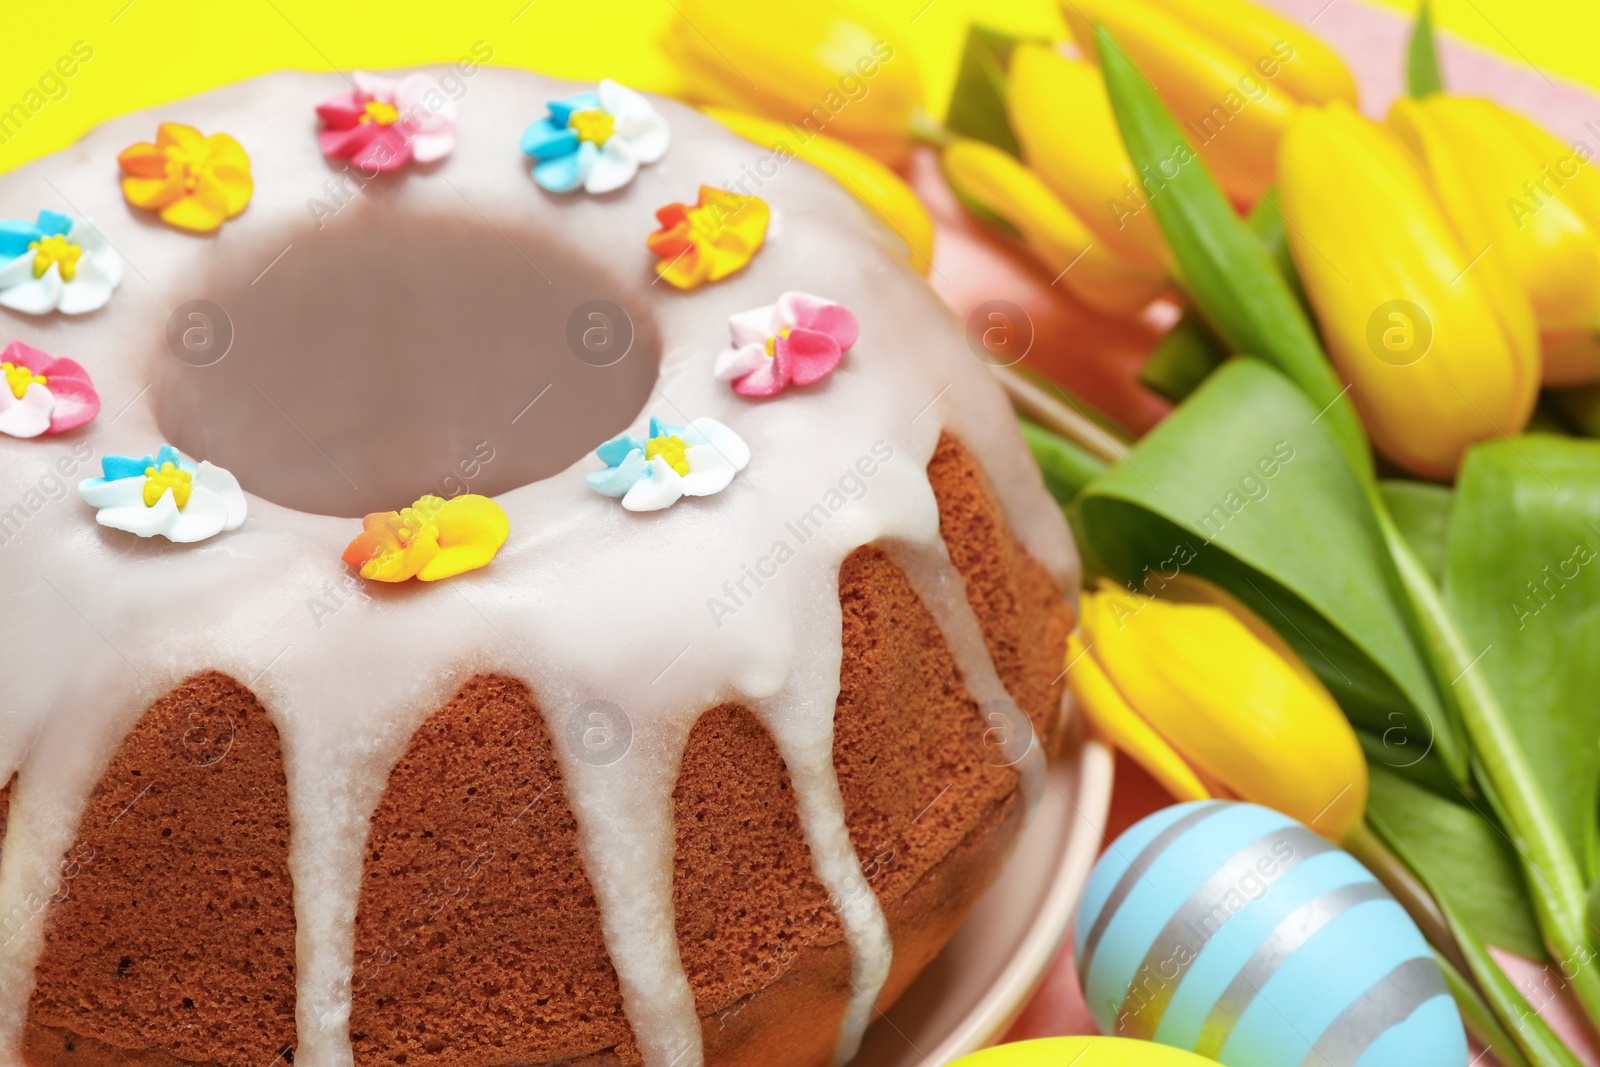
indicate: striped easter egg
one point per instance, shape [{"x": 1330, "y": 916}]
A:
[{"x": 1235, "y": 932}]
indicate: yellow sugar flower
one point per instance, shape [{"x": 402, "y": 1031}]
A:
[
  {"x": 196, "y": 182},
  {"x": 432, "y": 539},
  {"x": 710, "y": 239}
]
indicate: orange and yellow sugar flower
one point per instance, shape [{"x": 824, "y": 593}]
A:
[
  {"x": 196, "y": 182},
  {"x": 432, "y": 539},
  {"x": 709, "y": 240}
]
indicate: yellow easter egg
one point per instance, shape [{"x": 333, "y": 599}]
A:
[{"x": 1092, "y": 1051}]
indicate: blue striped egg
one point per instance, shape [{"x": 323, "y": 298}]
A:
[{"x": 1235, "y": 932}]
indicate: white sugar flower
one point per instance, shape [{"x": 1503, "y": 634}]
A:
[
  {"x": 56, "y": 263},
  {"x": 651, "y": 473},
  {"x": 165, "y": 495},
  {"x": 596, "y": 140}
]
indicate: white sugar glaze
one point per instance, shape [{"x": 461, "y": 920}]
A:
[{"x": 586, "y": 601}]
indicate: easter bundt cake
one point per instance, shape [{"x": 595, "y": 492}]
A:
[{"x": 688, "y": 678}]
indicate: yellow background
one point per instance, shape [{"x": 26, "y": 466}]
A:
[{"x": 150, "y": 51}]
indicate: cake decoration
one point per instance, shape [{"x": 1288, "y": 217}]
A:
[
  {"x": 710, "y": 240},
  {"x": 196, "y": 182},
  {"x": 167, "y": 495},
  {"x": 56, "y": 263},
  {"x": 596, "y": 140},
  {"x": 385, "y": 123},
  {"x": 43, "y": 394},
  {"x": 799, "y": 339},
  {"x": 432, "y": 539},
  {"x": 344, "y": 699},
  {"x": 655, "y": 472}
]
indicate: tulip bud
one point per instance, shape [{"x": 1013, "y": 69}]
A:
[
  {"x": 1308, "y": 70},
  {"x": 1062, "y": 118},
  {"x": 996, "y": 183},
  {"x": 811, "y": 64},
  {"x": 1503, "y": 181},
  {"x": 880, "y": 190},
  {"x": 1231, "y": 73},
  {"x": 1436, "y": 341},
  {"x": 1199, "y": 691}
]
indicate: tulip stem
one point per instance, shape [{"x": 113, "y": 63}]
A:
[
  {"x": 1066, "y": 419},
  {"x": 928, "y": 130},
  {"x": 1551, "y": 870}
]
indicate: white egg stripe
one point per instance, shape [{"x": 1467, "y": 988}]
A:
[
  {"x": 1287, "y": 938},
  {"x": 1386, "y": 1005},
  {"x": 1130, "y": 878},
  {"x": 1182, "y": 939}
]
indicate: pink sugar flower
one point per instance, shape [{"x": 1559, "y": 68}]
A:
[
  {"x": 41, "y": 394},
  {"x": 384, "y": 123},
  {"x": 799, "y": 339}
]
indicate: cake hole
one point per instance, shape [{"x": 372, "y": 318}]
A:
[{"x": 393, "y": 354}]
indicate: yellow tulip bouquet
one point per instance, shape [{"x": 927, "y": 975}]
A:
[
  {"x": 1400, "y": 650},
  {"x": 1352, "y": 575}
]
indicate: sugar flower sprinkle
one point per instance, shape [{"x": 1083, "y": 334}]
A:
[
  {"x": 196, "y": 182},
  {"x": 597, "y": 140},
  {"x": 42, "y": 394},
  {"x": 709, "y": 240},
  {"x": 800, "y": 339},
  {"x": 383, "y": 124},
  {"x": 654, "y": 472},
  {"x": 56, "y": 263},
  {"x": 432, "y": 539},
  {"x": 167, "y": 495}
]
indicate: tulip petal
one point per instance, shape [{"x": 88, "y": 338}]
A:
[{"x": 1120, "y": 725}]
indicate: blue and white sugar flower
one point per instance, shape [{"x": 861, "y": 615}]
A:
[
  {"x": 651, "y": 473},
  {"x": 56, "y": 263},
  {"x": 166, "y": 494},
  {"x": 596, "y": 140}
]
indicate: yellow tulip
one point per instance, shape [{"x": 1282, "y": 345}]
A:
[
  {"x": 815, "y": 64},
  {"x": 1231, "y": 73},
  {"x": 1313, "y": 73},
  {"x": 1437, "y": 342},
  {"x": 1062, "y": 118},
  {"x": 880, "y": 189},
  {"x": 996, "y": 182},
  {"x": 1201, "y": 692},
  {"x": 1505, "y": 182}
]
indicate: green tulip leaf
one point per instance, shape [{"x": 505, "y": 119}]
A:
[
  {"x": 1422, "y": 57},
  {"x": 1468, "y": 864},
  {"x": 978, "y": 104},
  {"x": 1183, "y": 358},
  {"x": 1481, "y": 1023},
  {"x": 1422, "y": 512},
  {"x": 1523, "y": 578},
  {"x": 1188, "y": 352},
  {"x": 1066, "y": 467},
  {"x": 1223, "y": 266},
  {"x": 1462, "y": 855},
  {"x": 1245, "y": 485}
]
